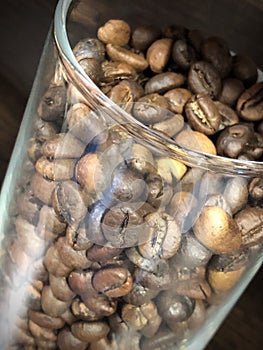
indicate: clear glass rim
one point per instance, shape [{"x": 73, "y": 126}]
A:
[{"x": 171, "y": 148}]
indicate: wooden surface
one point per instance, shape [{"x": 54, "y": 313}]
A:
[{"x": 23, "y": 27}]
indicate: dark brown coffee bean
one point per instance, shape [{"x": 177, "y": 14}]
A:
[
  {"x": 75, "y": 259},
  {"x": 89, "y": 48},
  {"x": 82, "y": 312},
  {"x": 92, "y": 68},
  {"x": 78, "y": 239},
  {"x": 183, "y": 54},
  {"x": 177, "y": 99},
  {"x": 151, "y": 109},
  {"x": 158, "y": 280},
  {"x": 120, "y": 54},
  {"x": 236, "y": 193},
  {"x": 34, "y": 149},
  {"x": 254, "y": 149},
  {"x": 115, "y": 31},
  {"x": 256, "y": 189},
  {"x": 195, "y": 37},
  {"x": 215, "y": 51},
  {"x": 122, "y": 95},
  {"x": 250, "y": 224},
  {"x": 175, "y": 308},
  {"x": 250, "y": 103},
  {"x": 116, "y": 71},
  {"x": 149, "y": 310},
  {"x": 224, "y": 271},
  {"x": 163, "y": 82},
  {"x": 203, "y": 114},
  {"x": 101, "y": 305},
  {"x": 140, "y": 295},
  {"x": 89, "y": 331},
  {"x": 133, "y": 317},
  {"x": 53, "y": 263},
  {"x": 231, "y": 90},
  {"x": 67, "y": 341},
  {"x": 55, "y": 170},
  {"x": 153, "y": 265},
  {"x": 233, "y": 140},
  {"x": 51, "y": 305},
  {"x": 170, "y": 127},
  {"x": 62, "y": 146},
  {"x": 144, "y": 36},
  {"x": 45, "y": 130},
  {"x": 102, "y": 253},
  {"x": 49, "y": 221},
  {"x": 228, "y": 116},
  {"x": 135, "y": 89},
  {"x": 158, "y": 54},
  {"x": 45, "y": 321},
  {"x": 203, "y": 78},
  {"x": 80, "y": 283},
  {"x": 123, "y": 225},
  {"x": 113, "y": 281},
  {"x": 175, "y": 32},
  {"x": 245, "y": 69},
  {"x": 42, "y": 188},
  {"x": 217, "y": 230},
  {"x": 52, "y": 105},
  {"x": 159, "y": 194}
]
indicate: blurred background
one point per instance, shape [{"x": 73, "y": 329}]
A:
[{"x": 23, "y": 28}]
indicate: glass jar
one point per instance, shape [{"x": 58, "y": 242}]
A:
[{"x": 116, "y": 235}]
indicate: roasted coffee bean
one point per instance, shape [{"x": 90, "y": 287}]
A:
[
  {"x": 82, "y": 312},
  {"x": 164, "y": 238},
  {"x": 115, "y": 31},
  {"x": 215, "y": 51},
  {"x": 116, "y": 71},
  {"x": 218, "y": 231},
  {"x": 231, "y": 90},
  {"x": 100, "y": 304},
  {"x": 113, "y": 281},
  {"x": 89, "y": 331},
  {"x": 250, "y": 103},
  {"x": 151, "y": 109},
  {"x": 144, "y": 36},
  {"x": 234, "y": 139},
  {"x": 177, "y": 99},
  {"x": 34, "y": 149},
  {"x": 51, "y": 305},
  {"x": 135, "y": 88},
  {"x": 52, "y": 105},
  {"x": 149, "y": 310},
  {"x": 250, "y": 223},
  {"x": 195, "y": 140},
  {"x": 236, "y": 193},
  {"x": 202, "y": 114},
  {"x": 102, "y": 253},
  {"x": 164, "y": 338},
  {"x": 67, "y": 341},
  {"x": 45, "y": 130},
  {"x": 42, "y": 188},
  {"x": 170, "y": 169},
  {"x": 158, "y": 54},
  {"x": 170, "y": 126},
  {"x": 55, "y": 170},
  {"x": 158, "y": 280},
  {"x": 60, "y": 288},
  {"x": 254, "y": 149},
  {"x": 80, "y": 283},
  {"x": 218, "y": 200},
  {"x": 245, "y": 69},
  {"x": 183, "y": 54},
  {"x": 28, "y": 206},
  {"x": 89, "y": 48},
  {"x": 46, "y": 321},
  {"x": 120, "y": 54},
  {"x": 19, "y": 257},
  {"x": 92, "y": 68},
  {"x": 29, "y": 296},
  {"x": 53, "y": 263},
  {"x": 203, "y": 78},
  {"x": 93, "y": 223},
  {"x": 49, "y": 222},
  {"x": 159, "y": 193},
  {"x": 163, "y": 82},
  {"x": 41, "y": 333},
  {"x": 77, "y": 238},
  {"x": 175, "y": 32},
  {"x": 228, "y": 116},
  {"x": 225, "y": 270},
  {"x": 175, "y": 308},
  {"x": 255, "y": 189},
  {"x": 103, "y": 344},
  {"x": 122, "y": 95},
  {"x": 140, "y": 295},
  {"x": 133, "y": 316},
  {"x": 192, "y": 253},
  {"x": 123, "y": 225}
]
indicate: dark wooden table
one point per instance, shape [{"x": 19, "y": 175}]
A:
[{"x": 23, "y": 28}]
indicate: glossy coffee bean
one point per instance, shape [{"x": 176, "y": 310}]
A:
[
  {"x": 144, "y": 36},
  {"x": 245, "y": 69},
  {"x": 116, "y": 71},
  {"x": 177, "y": 99},
  {"x": 135, "y": 88},
  {"x": 89, "y": 331},
  {"x": 217, "y": 230},
  {"x": 121, "y": 95},
  {"x": 54, "y": 264},
  {"x": 80, "y": 283},
  {"x": 250, "y": 224},
  {"x": 215, "y": 51},
  {"x": 115, "y": 31},
  {"x": 228, "y": 116},
  {"x": 163, "y": 82},
  {"x": 203, "y": 114},
  {"x": 102, "y": 253},
  {"x": 52, "y": 105},
  {"x": 158, "y": 54},
  {"x": 82, "y": 312},
  {"x": 92, "y": 68},
  {"x": 236, "y": 193},
  {"x": 77, "y": 238},
  {"x": 171, "y": 126},
  {"x": 151, "y": 109},
  {"x": 232, "y": 88},
  {"x": 158, "y": 280},
  {"x": 113, "y": 281},
  {"x": 159, "y": 193},
  {"x": 203, "y": 78},
  {"x": 183, "y": 54},
  {"x": 101, "y": 305},
  {"x": 89, "y": 48},
  {"x": 250, "y": 103}
]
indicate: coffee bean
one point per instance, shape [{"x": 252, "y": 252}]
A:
[
  {"x": 42, "y": 333},
  {"x": 115, "y": 31},
  {"x": 249, "y": 221},
  {"x": 55, "y": 170},
  {"x": 140, "y": 295},
  {"x": 34, "y": 149},
  {"x": 46, "y": 321},
  {"x": 45, "y": 130},
  {"x": 231, "y": 90},
  {"x": 80, "y": 283},
  {"x": 89, "y": 48},
  {"x": 19, "y": 257},
  {"x": 60, "y": 288},
  {"x": 250, "y": 103},
  {"x": 217, "y": 230},
  {"x": 28, "y": 206},
  {"x": 120, "y": 54},
  {"x": 245, "y": 69},
  {"x": 158, "y": 54},
  {"x": 52, "y": 105},
  {"x": 215, "y": 51},
  {"x": 170, "y": 127},
  {"x": 228, "y": 116},
  {"x": 170, "y": 169},
  {"x": 159, "y": 279},
  {"x": 49, "y": 221},
  {"x": 113, "y": 281},
  {"x": 42, "y": 188},
  {"x": 116, "y": 71},
  {"x": 183, "y": 54},
  {"x": 195, "y": 140},
  {"x": 151, "y": 109},
  {"x": 159, "y": 193},
  {"x": 100, "y": 304},
  {"x": 202, "y": 114},
  {"x": 82, "y": 312},
  {"x": 177, "y": 99},
  {"x": 89, "y": 331},
  {"x": 256, "y": 189},
  {"x": 236, "y": 193},
  {"x": 67, "y": 341},
  {"x": 54, "y": 264},
  {"x": 203, "y": 78},
  {"x": 102, "y": 253},
  {"x": 51, "y": 305},
  {"x": 144, "y": 36},
  {"x": 163, "y": 82},
  {"x": 218, "y": 200}
]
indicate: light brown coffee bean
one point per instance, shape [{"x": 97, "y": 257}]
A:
[
  {"x": 158, "y": 54},
  {"x": 115, "y": 71},
  {"x": 49, "y": 221},
  {"x": 90, "y": 331},
  {"x": 51, "y": 305},
  {"x": 195, "y": 140},
  {"x": 46, "y": 321},
  {"x": 60, "y": 288},
  {"x": 77, "y": 238},
  {"x": 177, "y": 99},
  {"x": 81, "y": 283},
  {"x": 67, "y": 341},
  {"x": 42, "y": 188},
  {"x": 115, "y": 31},
  {"x": 19, "y": 257},
  {"x": 56, "y": 170},
  {"x": 54, "y": 264},
  {"x": 41, "y": 332}
]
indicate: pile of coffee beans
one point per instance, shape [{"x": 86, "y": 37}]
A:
[{"x": 113, "y": 244}]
